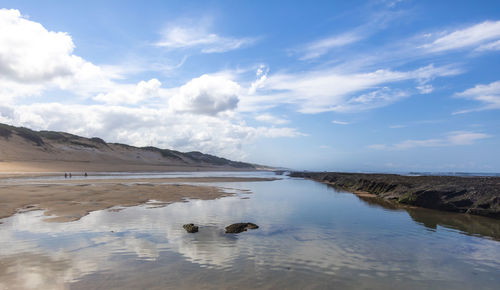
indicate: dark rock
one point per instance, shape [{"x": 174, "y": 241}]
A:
[
  {"x": 190, "y": 228},
  {"x": 240, "y": 227},
  {"x": 477, "y": 195}
]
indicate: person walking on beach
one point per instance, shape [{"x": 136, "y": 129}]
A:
[
  {"x": 85, "y": 174},
  {"x": 65, "y": 175},
  {"x": 70, "y": 175}
]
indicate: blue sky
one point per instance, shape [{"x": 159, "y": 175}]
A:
[{"x": 333, "y": 85}]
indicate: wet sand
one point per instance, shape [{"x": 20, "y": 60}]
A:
[{"x": 69, "y": 200}]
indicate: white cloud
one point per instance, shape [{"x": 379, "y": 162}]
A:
[
  {"x": 425, "y": 89},
  {"x": 198, "y": 36},
  {"x": 321, "y": 91},
  {"x": 377, "y": 21},
  {"x": 10, "y": 90},
  {"x": 261, "y": 74},
  {"x": 489, "y": 95},
  {"x": 145, "y": 126},
  {"x": 204, "y": 113},
  {"x": 130, "y": 94},
  {"x": 465, "y": 137},
  {"x": 371, "y": 100},
  {"x": 207, "y": 94},
  {"x": 323, "y": 46},
  {"x": 475, "y": 35},
  {"x": 495, "y": 45},
  {"x": 333, "y": 90},
  {"x": 199, "y": 115},
  {"x": 33, "y": 59},
  {"x": 278, "y": 132},
  {"x": 268, "y": 118},
  {"x": 340, "y": 122},
  {"x": 455, "y": 138},
  {"x": 29, "y": 53}
]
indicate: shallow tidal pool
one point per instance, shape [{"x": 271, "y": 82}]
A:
[{"x": 311, "y": 236}]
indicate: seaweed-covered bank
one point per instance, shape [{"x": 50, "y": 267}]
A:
[{"x": 472, "y": 195}]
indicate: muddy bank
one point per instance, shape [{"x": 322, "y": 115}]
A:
[{"x": 472, "y": 195}]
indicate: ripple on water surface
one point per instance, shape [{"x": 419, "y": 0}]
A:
[{"x": 310, "y": 236}]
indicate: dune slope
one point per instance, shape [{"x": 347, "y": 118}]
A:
[{"x": 25, "y": 150}]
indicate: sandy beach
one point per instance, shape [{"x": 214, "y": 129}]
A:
[{"x": 69, "y": 200}]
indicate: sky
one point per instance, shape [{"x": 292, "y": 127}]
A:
[{"x": 387, "y": 85}]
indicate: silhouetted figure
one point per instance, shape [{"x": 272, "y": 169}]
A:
[
  {"x": 65, "y": 175},
  {"x": 85, "y": 174},
  {"x": 70, "y": 175}
]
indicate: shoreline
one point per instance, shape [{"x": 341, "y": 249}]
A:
[
  {"x": 470, "y": 195},
  {"x": 96, "y": 173},
  {"x": 61, "y": 166},
  {"x": 70, "y": 200}
]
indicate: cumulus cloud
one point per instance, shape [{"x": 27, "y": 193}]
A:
[
  {"x": 129, "y": 94},
  {"x": 11, "y": 90},
  {"x": 145, "y": 126},
  {"x": 207, "y": 94},
  {"x": 29, "y": 53},
  {"x": 455, "y": 138},
  {"x": 484, "y": 35},
  {"x": 488, "y": 95},
  {"x": 197, "y": 36},
  {"x": 34, "y": 59}
]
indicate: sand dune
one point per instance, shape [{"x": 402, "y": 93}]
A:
[{"x": 25, "y": 150}]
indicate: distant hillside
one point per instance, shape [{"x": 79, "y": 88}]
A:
[{"x": 18, "y": 144}]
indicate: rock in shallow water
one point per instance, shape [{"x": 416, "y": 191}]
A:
[
  {"x": 240, "y": 227},
  {"x": 190, "y": 228}
]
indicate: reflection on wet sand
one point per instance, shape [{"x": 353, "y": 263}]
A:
[{"x": 465, "y": 223}]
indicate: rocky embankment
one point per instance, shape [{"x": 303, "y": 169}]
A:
[{"x": 472, "y": 195}]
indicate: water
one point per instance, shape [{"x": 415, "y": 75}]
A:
[
  {"x": 136, "y": 175},
  {"x": 311, "y": 236}
]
